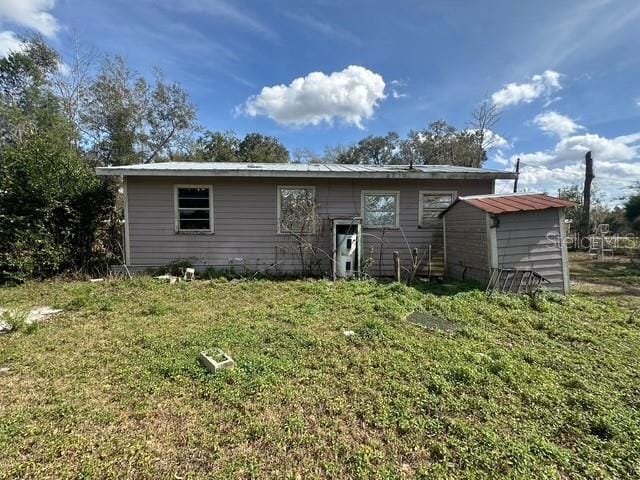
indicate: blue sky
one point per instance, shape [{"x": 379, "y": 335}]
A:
[{"x": 565, "y": 73}]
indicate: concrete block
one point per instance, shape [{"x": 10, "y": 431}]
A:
[{"x": 215, "y": 359}]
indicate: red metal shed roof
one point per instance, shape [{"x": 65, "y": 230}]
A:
[{"x": 517, "y": 202}]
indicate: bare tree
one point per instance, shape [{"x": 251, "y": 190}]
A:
[
  {"x": 483, "y": 118},
  {"x": 306, "y": 155},
  {"x": 72, "y": 80}
]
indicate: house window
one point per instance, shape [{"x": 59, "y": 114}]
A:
[
  {"x": 296, "y": 210},
  {"x": 432, "y": 204},
  {"x": 380, "y": 209},
  {"x": 194, "y": 208}
]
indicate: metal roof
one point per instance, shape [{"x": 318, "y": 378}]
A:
[
  {"x": 320, "y": 170},
  {"x": 515, "y": 202}
]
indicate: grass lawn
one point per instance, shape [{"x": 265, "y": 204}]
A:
[{"x": 112, "y": 387}]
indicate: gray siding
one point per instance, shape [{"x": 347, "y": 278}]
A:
[
  {"x": 245, "y": 221},
  {"x": 466, "y": 243},
  {"x": 532, "y": 240}
]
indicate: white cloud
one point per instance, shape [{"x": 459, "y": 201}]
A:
[
  {"x": 351, "y": 95},
  {"x": 557, "y": 124},
  {"x": 638, "y": 102},
  {"x": 9, "y": 42},
  {"x": 539, "y": 85},
  {"x": 616, "y": 164},
  {"x": 492, "y": 140},
  {"x": 395, "y": 91},
  {"x": 33, "y": 14}
]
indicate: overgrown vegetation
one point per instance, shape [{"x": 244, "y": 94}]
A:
[
  {"x": 112, "y": 387},
  {"x": 52, "y": 206}
]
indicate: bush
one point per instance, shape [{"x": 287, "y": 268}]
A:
[{"x": 51, "y": 208}]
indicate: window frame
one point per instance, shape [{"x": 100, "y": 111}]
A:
[
  {"x": 176, "y": 213},
  {"x": 279, "y": 188},
  {"x": 453, "y": 193},
  {"x": 365, "y": 193}
]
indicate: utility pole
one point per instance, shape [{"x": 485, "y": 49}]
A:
[
  {"x": 586, "y": 200},
  {"x": 515, "y": 182}
]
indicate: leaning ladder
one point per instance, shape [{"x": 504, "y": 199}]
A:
[{"x": 514, "y": 280}]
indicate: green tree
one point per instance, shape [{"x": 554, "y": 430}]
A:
[
  {"x": 26, "y": 104},
  {"x": 599, "y": 212},
  {"x": 113, "y": 117},
  {"x": 128, "y": 120},
  {"x": 170, "y": 118},
  {"x": 374, "y": 150},
  {"x": 218, "y": 147},
  {"x": 632, "y": 211},
  {"x": 256, "y": 148},
  {"x": 442, "y": 144},
  {"x": 51, "y": 203}
]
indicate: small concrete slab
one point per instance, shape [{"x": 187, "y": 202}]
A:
[
  {"x": 35, "y": 315},
  {"x": 41, "y": 314},
  {"x": 167, "y": 278},
  {"x": 215, "y": 359},
  {"x": 433, "y": 323}
]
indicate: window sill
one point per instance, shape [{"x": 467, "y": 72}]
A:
[
  {"x": 194, "y": 232},
  {"x": 378, "y": 227}
]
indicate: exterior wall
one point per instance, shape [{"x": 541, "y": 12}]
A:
[
  {"x": 532, "y": 240},
  {"x": 466, "y": 243},
  {"x": 245, "y": 221}
]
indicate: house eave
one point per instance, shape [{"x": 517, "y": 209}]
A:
[{"x": 398, "y": 175}]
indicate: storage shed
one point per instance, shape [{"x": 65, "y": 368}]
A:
[{"x": 515, "y": 231}]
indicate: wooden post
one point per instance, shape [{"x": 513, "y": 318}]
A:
[
  {"x": 515, "y": 182},
  {"x": 586, "y": 203},
  {"x": 396, "y": 265}
]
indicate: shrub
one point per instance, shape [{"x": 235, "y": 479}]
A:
[{"x": 51, "y": 208}]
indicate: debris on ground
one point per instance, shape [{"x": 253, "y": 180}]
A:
[
  {"x": 167, "y": 278},
  {"x": 433, "y": 323},
  {"x": 41, "y": 314},
  {"x": 5, "y": 327},
  {"x": 348, "y": 333},
  {"x": 95, "y": 280},
  {"x": 4, "y": 370},
  {"x": 215, "y": 359},
  {"x": 189, "y": 274},
  {"x": 35, "y": 315}
]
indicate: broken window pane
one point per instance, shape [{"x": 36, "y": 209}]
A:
[{"x": 297, "y": 210}]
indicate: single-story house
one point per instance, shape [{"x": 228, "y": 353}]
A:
[
  {"x": 509, "y": 235},
  {"x": 288, "y": 218}
]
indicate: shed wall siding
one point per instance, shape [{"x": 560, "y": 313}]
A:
[
  {"x": 466, "y": 243},
  {"x": 245, "y": 220},
  {"x": 532, "y": 240}
]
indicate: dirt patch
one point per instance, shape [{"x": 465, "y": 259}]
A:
[{"x": 433, "y": 323}]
